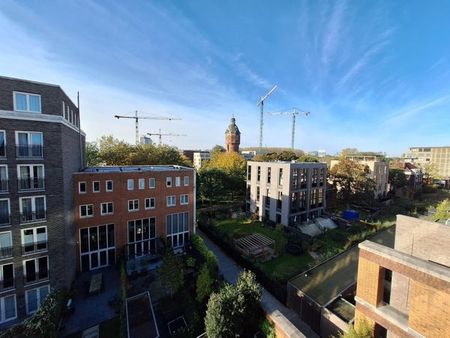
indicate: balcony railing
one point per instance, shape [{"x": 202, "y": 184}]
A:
[
  {"x": 35, "y": 276},
  {"x": 3, "y": 185},
  {"x": 6, "y": 252},
  {"x": 7, "y": 283},
  {"x": 36, "y": 183},
  {"x": 29, "y": 150},
  {"x": 28, "y": 217},
  {"x": 5, "y": 219},
  {"x": 34, "y": 247}
]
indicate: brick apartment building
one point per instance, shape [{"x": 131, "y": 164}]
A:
[
  {"x": 288, "y": 193},
  {"x": 41, "y": 144},
  {"x": 131, "y": 210}
]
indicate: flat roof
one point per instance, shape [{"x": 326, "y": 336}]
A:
[
  {"x": 133, "y": 168},
  {"x": 327, "y": 280}
]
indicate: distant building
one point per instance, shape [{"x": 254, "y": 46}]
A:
[
  {"x": 200, "y": 157},
  {"x": 232, "y": 137},
  {"x": 321, "y": 153},
  {"x": 414, "y": 176},
  {"x": 405, "y": 291},
  {"x": 248, "y": 154},
  {"x": 189, "y": 154},
  {"x": 145, "y": 140},
  {"x": 378, "y": 170},
  {"x": 288, "y": 193},
  {"x": 439, "y": 157}
]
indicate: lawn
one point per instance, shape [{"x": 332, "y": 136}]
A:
[{"x": 281, "y": 268}]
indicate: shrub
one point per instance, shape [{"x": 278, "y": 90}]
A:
[{"x": 205, "y": 284}]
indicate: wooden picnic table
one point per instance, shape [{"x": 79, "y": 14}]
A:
[{"x": 96, "y": 284}]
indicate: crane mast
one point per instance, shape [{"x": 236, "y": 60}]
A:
[
  {"x": 261, "y": 120},
  {"x": 294, "y": 112},
  {"x": 160, "y": 135}
]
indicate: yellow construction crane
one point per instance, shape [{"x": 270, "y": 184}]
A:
[
  {"x": 294, "y": 112},
  {"x": 136, "y": 118},
  {"x": 160, "y": 135}
]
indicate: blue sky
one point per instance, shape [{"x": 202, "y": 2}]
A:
[{"x": 374, "y": 74}]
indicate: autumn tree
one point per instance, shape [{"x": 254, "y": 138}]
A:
[
  {"x": 231, "y": 163},
  {"x": 307, "y": 158},
  {"x": 397, "y": 178},
  {"x": 112, "y": 151},
  {"x": 442, "y": 210},
  {"x": 92, "y": 157}
]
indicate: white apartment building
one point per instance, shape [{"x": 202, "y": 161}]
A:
[
  {"x": 287, "y": 193},
  {"x": 199, "y": 158}
]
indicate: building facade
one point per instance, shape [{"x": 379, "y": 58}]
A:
[
  {"x": 41, "y": 144},
  {"x": 129, "y": 210},
  {"x": 439, "y": 157},
  {"x": 287, "y": 193},
  {"x": 232, "y": 137},
  {"x": 405, "y": 291},
  {"x": 200, "y": 157},
  {"x": 378, "y": 171}
]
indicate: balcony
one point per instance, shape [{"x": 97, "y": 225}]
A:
[
  {"x": 36, "y": 216},
  {"x": 34, "y": 247},
  {"x": 7, "y": 283},
  {"x": 29, "y": 150},
  {"x": 6, "y": 252},
  {"x": 29, "y": 184},
  {"x": 3, "y": 185}
]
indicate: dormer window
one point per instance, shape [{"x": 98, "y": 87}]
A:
[{"x": 27, "y": 102}]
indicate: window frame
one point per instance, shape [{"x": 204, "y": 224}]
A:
[
  {"x": 87, "y": 215},
  {"x": 9, "y": 211},
  {"x": 107, "y": 207},
  {"x": 36, "y": 269},
  {"x": 130, "y": 180},
  {"x": 171, "y": 198},
  {"x": 22, "y": 231},
  {"x": 177, "y": 181},
  {"x": 106, "y": 185},
  {"x": 2, "y": 131},
  {"x": 79, "y": 187},
  {"x": 28, "y": 102},
  {"x": 2, "y": 277},
  {"x": 186, "y": 178},
  {"x": 141, "y": 186},
  {"x": 151, "y": 179},
  {"x": 93, "y": 187},
  {"x": 186, "y": 197},
  {"x": 2, "y": 308},
  {"x": 134, "y": 205},
  {"x": 33, "y": 207},
  {"x": 169, "y": 182},
  {"x": 150, "y": 199},
  {"x": 39, "y": 300}
]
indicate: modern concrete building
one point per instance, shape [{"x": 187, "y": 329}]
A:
[
  {"x": 232, "y": 137},
  {"x": 145, "y": 140},
  {"x": 41, "y": 144},
  {"x": 288, "y": 193},
  {"x": 200, "y": 157},
  {"x": 439, "y": 157},
  {"x": 405, "y": 291},
  {"x": 131, "y": 210},
  {"x": 378, "y": 170}
]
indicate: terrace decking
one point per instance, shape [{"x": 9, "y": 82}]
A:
[{"x": 256, "y": 246}]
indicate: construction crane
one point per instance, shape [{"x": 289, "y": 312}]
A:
[
  {"x": 261, "y": 123},
  {"x": 160, "y": 135},
  {"x": 294, "y": 112},
  {"x": 137, "y": 118}
]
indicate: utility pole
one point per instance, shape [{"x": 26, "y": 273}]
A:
[{"x": 261, "y": 121}]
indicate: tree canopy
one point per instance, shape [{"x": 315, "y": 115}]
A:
[
  {"x": 397, "y": 178},
  {"x": 442, "y": 210},
  {"x": 285, "y": 155}
]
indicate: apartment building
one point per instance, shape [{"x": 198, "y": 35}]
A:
[
  {"x": 131, "y": 210},
  {"x": 41, "y": 144},
  {"x": 378, "y": 170},
  {"x": 439, "y": 157},
  {"x": 405, "y": 291},
  {"x": 288, "y": 193},
  {"x": 200, "y": 157}
]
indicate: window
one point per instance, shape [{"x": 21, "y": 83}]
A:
[
  {"x": 34, "y": 239},
  {"x": 31, "y": 177},
  {"x": 63, "y": 108},
  {"x": 86, "y": 210},
  {"x": 258, "y": 172},
  {"x": 3, "y": 178},
  {"x": 32, "y": 209},
  {"x": 29, "y": 144},
  {"x": 151, "y": 183},
  {"x": 280, "y": 177},
  {"x": 186, "y": 181},
  {"x": 109, "y": 186},
  {"x": 2, "y": 143},
  {"x": 97, "y": 247},
  {"x": 5, "y": 211},
  {"x": 150, "y": 203},
  {"x": 107, "y": 208},
  {"x": 177, "y": 227},
  {"x": 269, "y": 175},
  {"x": 177, "y": 181},
  {"x": 27, "y": 102},
  {"x": 133, "y": 205},
  {"x": 258, "y": 194},
  {"x": 5, "y": 244},
  {"x": 96, "y": 186},
  {"x": 184, "y": 199},
  {"x": 171, "y": 201},
  {"x": 141, "y": 237},
  {"x": 82, "y": 187},
  {"x": 249, "y": 173},
  {"x": 141, "y": 183},
  {"x": 130, "y": 184},
  {"x": 168, "y": 182},
  {"x": 35, "y": 269},
  {"x": 36, "y": 297},
  {"x": 7, "y": 276},
  {"x": 66, "y": 113},
  {"x": 8, "y": 308}
]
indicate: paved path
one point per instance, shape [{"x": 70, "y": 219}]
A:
[{"x": 283, "y": 317}]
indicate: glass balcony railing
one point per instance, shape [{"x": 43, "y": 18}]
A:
[
  {"x": 29, "y": 150},
  {"x": 6, "y": 252},
  {"x": 34, "y": 247},
  {"x": 28, "y": 217},
  {"x": 36, "y": 183}
]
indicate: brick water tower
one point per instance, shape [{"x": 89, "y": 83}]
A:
[{"x": 232, "y": 137}]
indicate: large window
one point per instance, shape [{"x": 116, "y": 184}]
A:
[
  {"x": 86, "y": 210},
  {"x": 141, "y": 237},
  {"x": 27, "y": 102},
  {"x": 35, "y": 269},
  {"x": 8, "y": 308},
  {"x": 7, "y": 276},
  {"x": 97, "y": 247},
  {"x": 5, "y": 211},
  {"x": 177, "y": 227},
  {"x": 31, "y": 176},
  {"x": 36, "y": 297},
  {"x": 32, "y": 209},
  {"x": 2, "y": 143},
  {"x": 5, "y": 244},
  {"x": 107, "y": 208},
  {"x": 171, "y": 201},
  {"x": 29, "y": 144},
  {"x": 133, "y": 205},
  {"x": 3, "y": 178},
  {"x": 34, "y": 239},
  {"x": 184, "y": 199},
  {"x": 150, "y": 203}
]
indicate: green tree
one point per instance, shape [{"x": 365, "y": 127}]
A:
[
  {"x": 92, "y": 156},
  {"x": 171, "y": 272},
  {"x": 217, "y": 149},
  {"x": 307, "y": 158},
  {"x": 231, "y": 163},
  {"x": 212, "y": 184},
  {"x": 205, "y": 284},
  {"x": 442, "y": 210},
  {"x": 397, "y": 178},
  {"x": 113, "y": 151},
  {"x": 349, "y": 151},
  {"x": 362, "y": 331}
]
